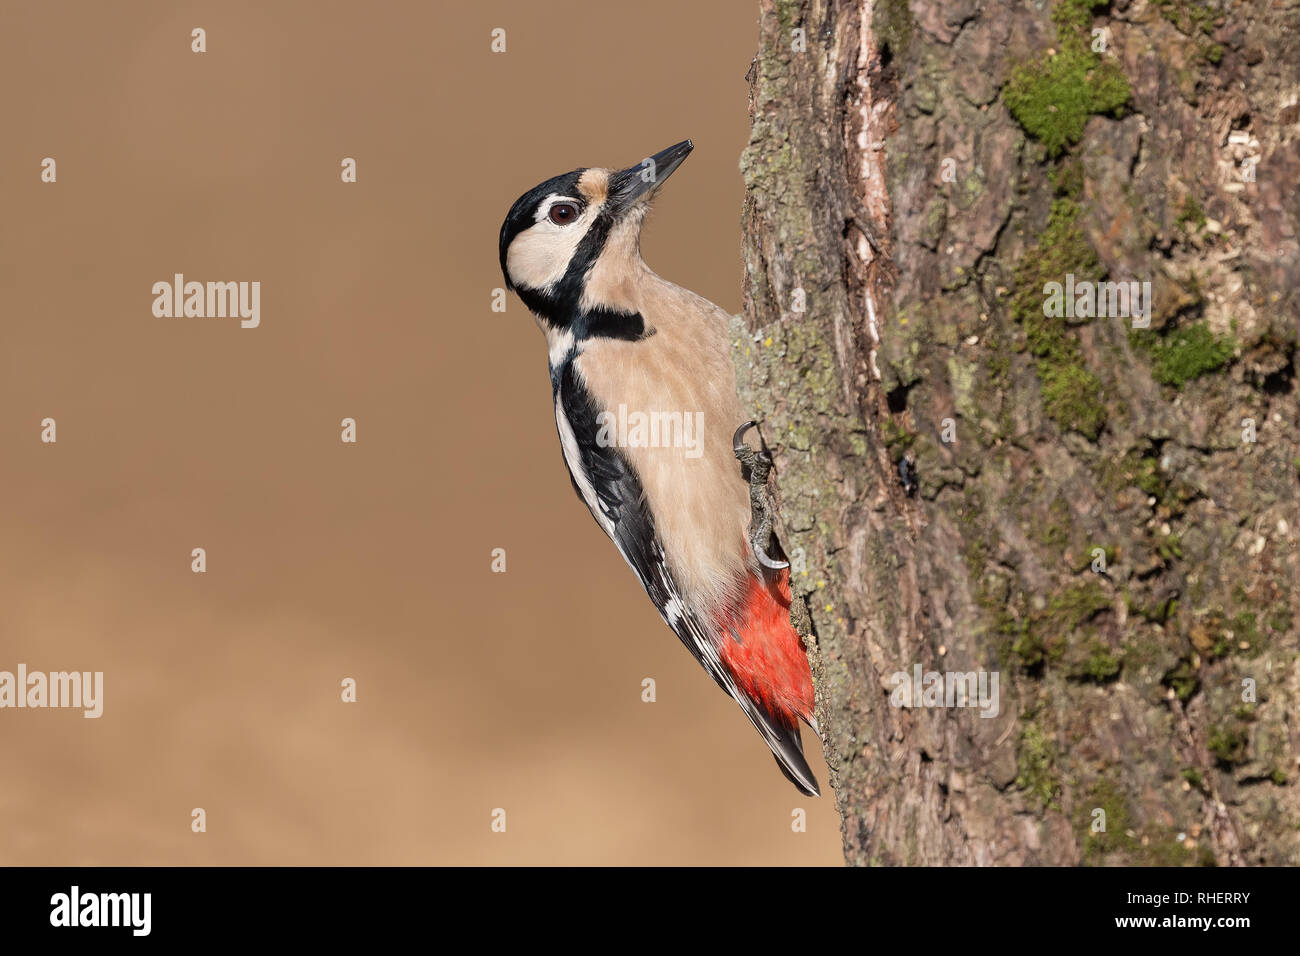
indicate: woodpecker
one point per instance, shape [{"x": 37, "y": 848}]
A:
[{"x": 622, "y": 340}]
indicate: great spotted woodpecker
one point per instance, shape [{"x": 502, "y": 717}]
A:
[{"x": 621, "y": 338}]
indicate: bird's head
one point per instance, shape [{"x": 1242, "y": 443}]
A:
[{"x": 567, "y": 238}]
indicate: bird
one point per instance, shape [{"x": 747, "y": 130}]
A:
[{"x": 622, "y": 342}]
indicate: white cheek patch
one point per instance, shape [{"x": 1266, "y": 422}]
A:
[{"x": 539, "y": 256}]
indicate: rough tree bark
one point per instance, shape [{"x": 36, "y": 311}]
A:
[{"x": 917, "y": 171}]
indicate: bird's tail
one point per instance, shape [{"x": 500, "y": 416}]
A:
[
  {"x": 769, "y": 667},
  {"x": 786, "y": 745}
]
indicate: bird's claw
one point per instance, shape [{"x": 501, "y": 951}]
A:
[
  {"x": 765, "y": 561},
  {"x": 760, "y": 516},
  {"x": 738, "y": 441}
]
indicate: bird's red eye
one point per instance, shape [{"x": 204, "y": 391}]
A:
[{"x": 563, "y": 213}]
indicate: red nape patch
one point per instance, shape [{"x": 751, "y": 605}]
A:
[{"x": 768, "y": 662}]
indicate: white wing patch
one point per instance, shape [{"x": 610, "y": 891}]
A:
[
  {"x": 573, "y": 458},
  {"x": 559, "y": 343}
]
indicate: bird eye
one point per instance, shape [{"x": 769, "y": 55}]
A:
[{"x": 563, "y": 213}]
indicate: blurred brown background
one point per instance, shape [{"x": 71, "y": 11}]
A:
[{"x": 326, "y": 560}]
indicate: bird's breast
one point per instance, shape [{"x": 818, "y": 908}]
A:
[{"x": 668, "y": 405}]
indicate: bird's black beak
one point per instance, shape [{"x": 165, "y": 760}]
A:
[{"x": 629, "y": 186}]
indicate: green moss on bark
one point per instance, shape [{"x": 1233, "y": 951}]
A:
[
  {"x": 1186, "y": 353},
  {"x": 1036, "y": 765},
  {"x": 1052, "y": 97},
  {"x": 1072, "y": 395}
]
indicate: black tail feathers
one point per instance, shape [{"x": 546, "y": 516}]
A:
[{"x": 785, "y": 744}]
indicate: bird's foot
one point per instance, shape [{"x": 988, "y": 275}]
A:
[{"x": 759, "y": 464}]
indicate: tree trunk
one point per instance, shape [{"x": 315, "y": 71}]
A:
[{"x": 1105, "y": 516}]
